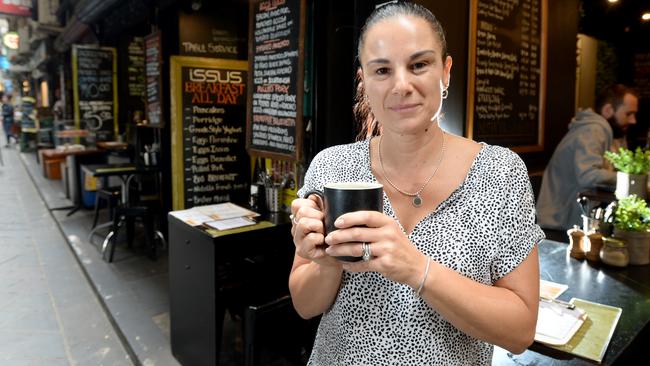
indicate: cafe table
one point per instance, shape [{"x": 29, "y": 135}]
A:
[
  {"x": 627, "y": 288},
  {"x": 210, "y": 272},
  {"x": 75, "y": 158}
]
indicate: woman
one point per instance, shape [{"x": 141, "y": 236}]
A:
[{"x": 454, "y": 264}]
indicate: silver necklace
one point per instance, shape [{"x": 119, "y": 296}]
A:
[{"x": 417, "y": 199}]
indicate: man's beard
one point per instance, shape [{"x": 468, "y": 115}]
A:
[{"x": 618, "y": 131}]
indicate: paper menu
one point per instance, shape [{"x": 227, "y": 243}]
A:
[
  {"x": 557, "y": 323},
  {"x": 551, "y": 290},
  {"x": 227, "y": 210},
  {"x": 199, "y": 215},
  {"x": 227, "y": 224},
  {"x": 191, "y": 217},
  {"x": 593, "y": 337}
]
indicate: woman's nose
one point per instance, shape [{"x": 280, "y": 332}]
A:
[{"x": 402, "y": 84}]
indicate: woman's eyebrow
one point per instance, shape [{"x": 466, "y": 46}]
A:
[
  {"x": 422, "y": 53},
  {"x": 384, "y": 61}
]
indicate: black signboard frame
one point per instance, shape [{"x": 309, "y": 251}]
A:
[
  {"x": 508, "y": 102},
  {"x": 294, "y": 11},
  {"x": 212, "y": 81},
  {"x": 154, "y": 104},
  {"x": 77, "y": 93}
]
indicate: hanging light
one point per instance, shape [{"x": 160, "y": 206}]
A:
[
  {"x": 645, "y": 16},
  {"x": 612, "y": 1}
]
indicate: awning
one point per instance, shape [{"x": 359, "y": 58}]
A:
[{"x": 86, "y": 13}]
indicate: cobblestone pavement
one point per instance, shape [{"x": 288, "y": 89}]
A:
[{"x": 49, "y": 315}]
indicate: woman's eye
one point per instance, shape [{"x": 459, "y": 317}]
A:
[
  {"x": 418, "y": 66},
  {"x": 382, "y": 71}
]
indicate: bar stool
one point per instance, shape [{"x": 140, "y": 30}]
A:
[
  {"x": 271, "y": 316},
  {"x": 112, "y": 197},
  {"x": 141, "y": 208},
  {"x": 127, "y": 216}
]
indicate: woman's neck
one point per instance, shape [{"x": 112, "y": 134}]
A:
[{"x": 401, "y": 153}]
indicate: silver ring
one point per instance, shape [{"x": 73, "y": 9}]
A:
[
  {"x": 294, "y": 219},
  {"x": 365, "y": 248}
]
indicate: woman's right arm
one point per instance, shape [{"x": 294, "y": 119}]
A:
[{"x": 315, "y": 276}]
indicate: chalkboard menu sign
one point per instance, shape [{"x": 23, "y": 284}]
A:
[
  {"x": 153, "y": 72},
  {"x": 136, "y": 70},
  {"x": 209, "y": 160},
  {"x": 276, "y": 48},
  {"x": 94, "y": 80},
  {"x": 507, "y": 67}
]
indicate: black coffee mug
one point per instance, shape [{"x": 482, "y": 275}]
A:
[{"x": 343, "y": 197}]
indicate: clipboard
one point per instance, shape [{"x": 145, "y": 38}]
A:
[
  {"x": 557, "y": 322},
  {"x": 593, "y": 337}
]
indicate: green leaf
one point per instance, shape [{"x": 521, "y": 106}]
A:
[
  {"x": 632, "y": 214},
  {"x": 626, "y": 161}
]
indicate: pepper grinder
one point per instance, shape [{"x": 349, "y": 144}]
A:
[
  {"x": 576, "y": 236},
  {"x": 596, "y": 243}
]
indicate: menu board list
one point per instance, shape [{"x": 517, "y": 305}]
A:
[
  {"x": 508, "y": 65},
  {"x": 275, "y": 96},
  {"x": 153, "y": 83},
  {"x": 94, "y": 74},
  {"x": 136, "y": 68},
  {"x": 214, "y": 159}
]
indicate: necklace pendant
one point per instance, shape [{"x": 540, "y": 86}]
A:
[{"x": 417, "y": 201}]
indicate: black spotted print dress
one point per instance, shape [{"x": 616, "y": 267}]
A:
[{"x": 483, "y": 230}]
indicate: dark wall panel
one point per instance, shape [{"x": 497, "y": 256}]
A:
[
  {"x": 336, "y": 28},
  {"x": 560, "y": 78},
  {"x": 454, "y": 17}
]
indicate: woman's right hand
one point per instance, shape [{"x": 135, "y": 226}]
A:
[{"x": 308, "y": 230}]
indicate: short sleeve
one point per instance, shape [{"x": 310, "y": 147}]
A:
[
  {"x": 517, "y": 228},
  {"x": 314, "y": 177}
]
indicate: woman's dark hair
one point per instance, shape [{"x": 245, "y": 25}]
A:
[
  {"x": 362, "y": 113},
  {"x": 614, "y": 95}
]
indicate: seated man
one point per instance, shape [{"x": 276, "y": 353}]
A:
[{"x": 578, "y": 164}]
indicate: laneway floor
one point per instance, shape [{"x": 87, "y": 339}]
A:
[
  {"x": 49, "y": 314},
  {"x": 131, "y": 294},
  {"x": 61, "y": 303}
]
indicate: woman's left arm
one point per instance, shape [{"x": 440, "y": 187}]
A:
[{"x": 504, "y": 314}]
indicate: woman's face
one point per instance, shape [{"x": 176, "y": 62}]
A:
[{"x": 403, "y": 73}]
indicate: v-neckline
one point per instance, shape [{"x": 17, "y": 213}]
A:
[{"x": 442, "y": 203}]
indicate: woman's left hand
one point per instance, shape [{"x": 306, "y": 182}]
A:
[{"x": 392, "y": 254}]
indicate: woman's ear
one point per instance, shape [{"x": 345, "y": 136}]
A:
[{"x": 447, "y": 71}]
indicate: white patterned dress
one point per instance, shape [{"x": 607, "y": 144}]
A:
[{"x": 483, "y": 230}]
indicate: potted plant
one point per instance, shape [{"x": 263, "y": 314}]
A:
[
  {"x": 632, "y": 171},
  {"x": 632, "y": 224}
]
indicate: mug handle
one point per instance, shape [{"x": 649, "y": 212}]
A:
[
  {"x": 322, "y": 206},
  {"x": 320, "y": 195}
]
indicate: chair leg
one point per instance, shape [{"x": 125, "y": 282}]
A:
[
  {"x": 130, "y": 230},
  {"x": 111, "y": 208},
  {"x": 116, "y": 229},
  {"x": 149, "y": 235},
  {"x": 250, "y": 350},
  {"x": 96, "y": 209}
]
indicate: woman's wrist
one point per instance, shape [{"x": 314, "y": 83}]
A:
[{"x": 418, "y": 286}]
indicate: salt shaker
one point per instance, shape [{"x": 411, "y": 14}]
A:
[
  {"x": 596, "y": 243},
  {"x": 576, "y": 236}
]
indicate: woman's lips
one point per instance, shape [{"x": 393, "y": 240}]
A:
[{"x": 400, "y": 108}]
